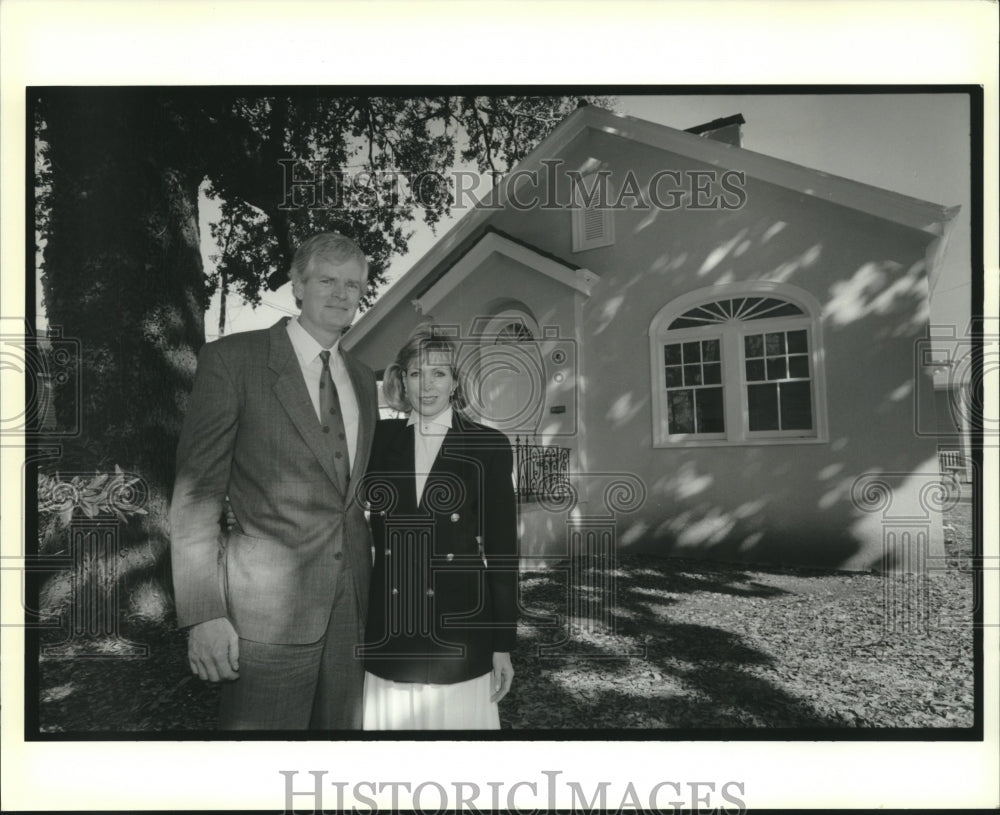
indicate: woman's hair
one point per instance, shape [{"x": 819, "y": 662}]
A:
[{"x": 425, "y": 339}]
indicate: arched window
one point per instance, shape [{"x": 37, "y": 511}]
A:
[
  {"x": 514, "y": 331},
  {"x": 509, "y": 376},
  {"x": 738, "y": 365}
]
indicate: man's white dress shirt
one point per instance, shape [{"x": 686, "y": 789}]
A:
[{"x": 307, "y": 350}]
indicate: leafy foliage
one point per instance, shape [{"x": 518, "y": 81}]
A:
[
  {"x": 504, "y": 128},
  {"x": 370, "y": 153},
  {"x": 118, "y": 494},
  {"x": 115, "y": 494},
  {"x": 365, "y": 149}
]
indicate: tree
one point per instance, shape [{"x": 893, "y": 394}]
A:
[
  {"x": 366, "y": 149},
  {"x": 123, "y": 275},
  {"x": 117, "y": 185}
]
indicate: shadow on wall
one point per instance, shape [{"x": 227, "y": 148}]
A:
[{"x": 778, "y": 504}]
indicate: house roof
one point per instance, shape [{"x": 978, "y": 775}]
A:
[
  {"x": 715, "y": 124},
  {"x": 891, "y": 206},
  {"x": 437, "y": 286},
  {"x": 431, "y": 279}
]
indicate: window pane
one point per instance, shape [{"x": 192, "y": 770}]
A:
[
  {"x": 710, "y": 411},
  {"x": 702, "y": 313},
  {"x": 685, "y": 322},
  {"x": 713, "y": 373},
  {"x": 784, "y": 310},
  {"x": 797, "y": 342},
  {"x": 755, "y": 370},
  {"x": 796, "y": 406},
  {"x": 762, "y": 308},
  {"x": 754, "y": 345},
  {"x": 692, "y": 374},
  {"x": 674, "y": 379},
  {"x": 681, "y": 407},
  {"x": 672, "y": 354},
  {"x": 775, "y": 343},
  {"x": 768, "y": 307},
  {"x": 710, "y": 350},
  {"x": 776, "y": 368},
  {"x": 513, "y": 332},
  {"x": 692, "y": 352},
  {"x": 798, "y": 366},
  {"x": 762, "y": 401}
]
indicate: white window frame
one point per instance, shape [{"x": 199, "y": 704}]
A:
[
  {"x": 690, "y": 335},
  {"x": 499, "y": 321},
  {"x": 731, "y": 334}
]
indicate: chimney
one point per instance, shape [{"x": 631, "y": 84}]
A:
[{"x": 727, "y": 130}]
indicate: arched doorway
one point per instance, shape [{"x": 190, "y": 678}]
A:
[{"x": 509, "y": 383}]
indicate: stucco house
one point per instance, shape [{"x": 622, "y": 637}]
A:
[{"x": 698, "y": 350}]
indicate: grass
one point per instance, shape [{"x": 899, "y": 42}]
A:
[{"x": 683, "y": 646}]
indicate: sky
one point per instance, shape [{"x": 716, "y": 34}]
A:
[{"x": 913, "y": 144}]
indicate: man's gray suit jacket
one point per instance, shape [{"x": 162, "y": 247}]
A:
[{"x": 251, "y": 433}]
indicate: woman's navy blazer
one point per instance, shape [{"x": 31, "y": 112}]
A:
[{"x": 444, "y": 584}]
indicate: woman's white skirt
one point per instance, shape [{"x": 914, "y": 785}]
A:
[{"x": 411, "y": 706}]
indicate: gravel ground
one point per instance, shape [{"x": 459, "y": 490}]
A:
[{"x": 688, "y": 645}]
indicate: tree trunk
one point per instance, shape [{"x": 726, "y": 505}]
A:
[
  {"x": 123, "y": 276},
  {"x": 223, "y": 291}
]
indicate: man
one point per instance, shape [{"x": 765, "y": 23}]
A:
[{"x": 280, "y": 421}]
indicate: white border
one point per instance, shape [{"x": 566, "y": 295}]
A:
[{"x": 80, "y": 42}]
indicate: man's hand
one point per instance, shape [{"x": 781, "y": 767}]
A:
[
  {"x": 503, "y": 675},
  {"x": 228, "y": 516},
  {"x": 214, "y": 650}
]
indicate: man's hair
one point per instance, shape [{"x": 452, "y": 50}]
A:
[
  {"x": 331, "y": 246},
  {"x": 425, "y": 339}
]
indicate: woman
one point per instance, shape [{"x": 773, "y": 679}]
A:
[{"x": 442, "y": 611}]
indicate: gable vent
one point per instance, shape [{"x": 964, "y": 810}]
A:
[{"x": 593, "y": 227}]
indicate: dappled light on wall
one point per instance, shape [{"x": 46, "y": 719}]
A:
[
  {"x": 608, "y": 312},
  {"x": 624, "y": 409},
  {"x": 898, "y": 394},
  {"x": 773, "y": 230},
  {"x": 714, "y": 527},
  {"x": 684, "y": 483},
  {"x": 877, "y": 288},
  {"x": 830, "y": 471},
  {"x": 633, "y": 533},
  {"x": 837, "y": 493},
  {"x": 803, "y": 261},
  {"x": 648, "y": 221},
  {"x": 720, "y": 253}
]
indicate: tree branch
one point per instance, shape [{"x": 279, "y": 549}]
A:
[{"x": 487, "y": 142}]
